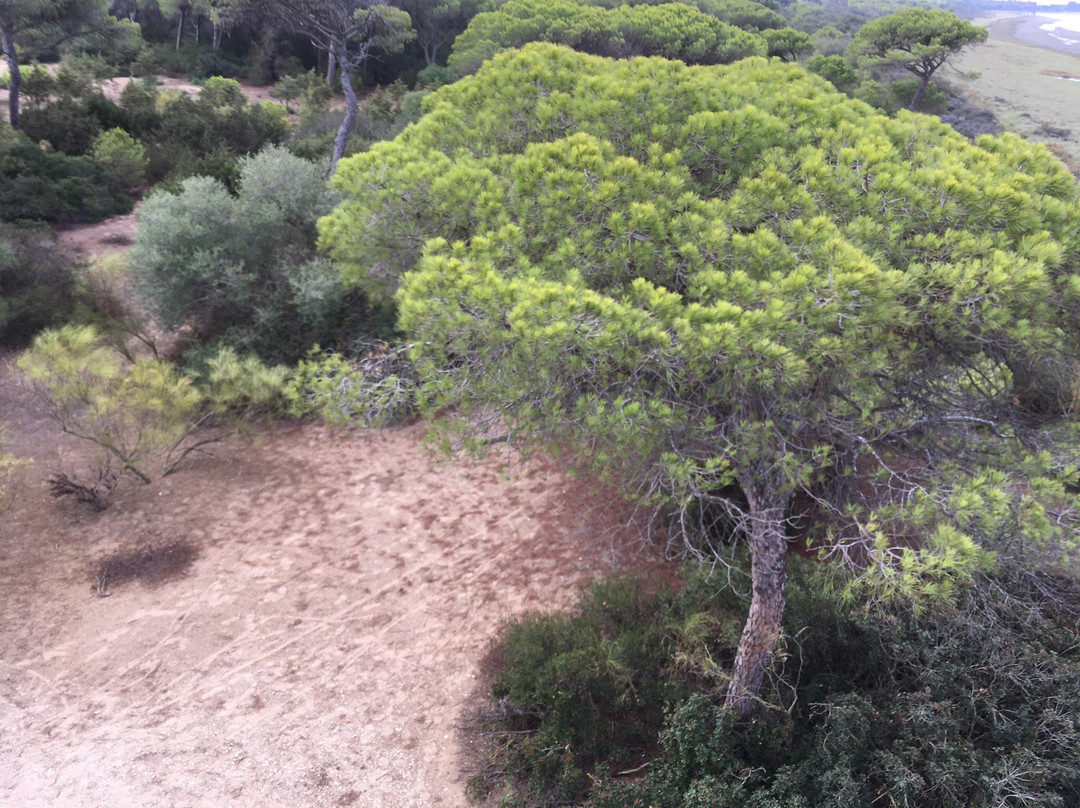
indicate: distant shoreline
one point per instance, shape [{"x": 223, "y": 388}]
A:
[{"x": 1024, "y": 30}]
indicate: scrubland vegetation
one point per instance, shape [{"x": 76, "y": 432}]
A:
[{"x": 703, "y": 250}]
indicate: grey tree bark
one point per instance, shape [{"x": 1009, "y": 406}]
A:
[
  {"x": 768, "y": 545},
  {"x": 7, "y": 41}
]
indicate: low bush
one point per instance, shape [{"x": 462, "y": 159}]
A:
[
  {"x": 40, "y": 184},
  {"x": 376, "y": 389},
  {"x": 967, "y": 706},
  {"x": 308, "y": 88},
  {"x": 36, "y": 283},
  {"x": 165, "y": 58},
  {"x": 835, "y": 69},
  {"x": 243, "y": 269},
  {"x": 139, "y": 104},
  {"x": 933, "y": 102},
  {"x": 11, "y": 470},
  {"x": 103, "y": 300},
  {"x": 206, "y": 138},
  {"x": 121, "y": 157},
  {"x": 141, "y": 414},
  {"x": 433, "y": 77},
  {"x": 209, "y": 64},
  {"x": 584, "y": 694}
]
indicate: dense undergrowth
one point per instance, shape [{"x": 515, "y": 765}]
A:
[{"x": 971, "y": 705}]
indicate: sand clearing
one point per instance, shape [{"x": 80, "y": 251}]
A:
[
  {"x": 320, "y": 648},
  {"x": 1016, "y": 75}
]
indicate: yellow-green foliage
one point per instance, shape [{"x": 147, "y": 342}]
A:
[
  {"x": 713, "y": 279},
  {"x": 133, "y": 410},
  {"x": 242, "y": 387},
  {"x": 374, "y": 391},
  {"x": 141, "y": 412},
  {"x": 673, "y": 30},
  {"x": 122, "y": 157},
  {"x": 11, "y": 468}
]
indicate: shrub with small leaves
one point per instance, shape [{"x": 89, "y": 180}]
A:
[
  {"x": 143, "y": 416},
  {"x": 36, "y": 282},
  {"x": 222, "y": 93},
  {"x": 376, "y": 389},
  {"x": 242, "y": 270},
  {"x": 121, "y": 157}
]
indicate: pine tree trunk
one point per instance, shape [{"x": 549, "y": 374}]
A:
[
  {"x": 180, "y": 29},
  {"x": 919, "y": 94},
  {"x": 768, "y": 552},
  {"x": 7, "y": 40},
  {"x": 331, "y": 64},
  {"x": 351, "y": 107}
]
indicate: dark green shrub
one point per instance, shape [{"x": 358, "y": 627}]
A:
[
  {"x": 933, "y": 102},
  {"x": 967, "y": 707},
  {"x": 208, "y": 64},
  {"x": 165, "y": 58},
  {"x": 975, "y": 705},
  {"x": 38, "y": 86},
  {"x": 146, "y": 64},
  {"x": 36, "y": 283},
  {"x": 64, "y": 124},
  {"x": 835, "y": 69},
  {"x": 70, "y": 124},
  {"x": 139, "y": 105},
  {"x": 202, "y": 138},
  {"x": 585, "y": 693},
  {"x": 37, "y": 183},
  {"x": 433, "y": 77}
]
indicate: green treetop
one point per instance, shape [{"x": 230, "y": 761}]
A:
[
  {"x": 32, "y": 27},
  {"x": 758, "y": 305},
  {"x": 672, "y": 30}
]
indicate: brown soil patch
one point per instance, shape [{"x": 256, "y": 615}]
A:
[
  {"x": 112, "y": 88},
  {"x": 112, "y": 235},
  {"x": 315, "y": 645}
]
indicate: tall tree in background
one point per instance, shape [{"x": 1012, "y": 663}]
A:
[
  {"x": 226, "y": 15},
  {"x": 347, "y": 30},
  {"x": 756, "y": 304},
  {"x": 182, "y": 12},
  {"x": 31, "y": 27},
  {"x": 917, "y": 39},
  {"x": 438, "y": 22}
]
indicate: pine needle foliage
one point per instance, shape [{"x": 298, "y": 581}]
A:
[{"x": 747, "y": 298}]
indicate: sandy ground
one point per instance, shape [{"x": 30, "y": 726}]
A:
[
  {"x": 320, "y": 648},
  {"x": 1020, "y": 76},
  {"x": 112, "y": 235},
  {"x": 112, "y": 88}
]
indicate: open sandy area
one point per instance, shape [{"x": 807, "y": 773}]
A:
[
  {"x": 306, "y": 625},
  {"x": 112, "y": 88},
  {"x": 1021, "y": 76}
]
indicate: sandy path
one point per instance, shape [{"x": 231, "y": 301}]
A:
[{"x": 319, "y": 650}]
